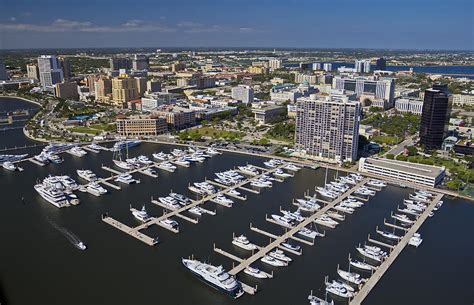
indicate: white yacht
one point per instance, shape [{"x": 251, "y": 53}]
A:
[
  {"x": 242, "y": 242},
  {"x": 369, "y": 254},
  {"x": 280, "y": 255},
  {"x": 123, "y": 165},
  {"x": 376, "y": 183},
  {"x": 351, "y": 277},
  {"x": 141, "y": 215},
  {"x": 403, "y": 218},
  {"x": 248, "y": 170},
  {"x": 180, "y": 198},
  {"x": 362, "y": 265},
  {"x": 326, "y": 221},
  {"x": 335, "y": 215},
  {"x": 233, "y": 192},
  {"x": 307, "y": 233},
  {"x": 77, "y": 151},
  {"x": 9, "y": 166},
  {"x": 197, "y": 190},
  {"x": 182, "y": 162},
  {"x": 118, "y": 146},
  {"x": 167, "y": 166},
  {"x": 170, "y": 223},
  {"x": 144, "y": 160},
  {"x": 169, "y": 202},
  {"x": 125, "y": 178},
  {"x": 255, "y": 272},
  {"x": 314, "y": 300},
  {"x": 415, "y": 240},
  {"x": 389, "y": 235},
  {"x": 215, "y": 276},
  {"x": 284, "y": 220},
  {"x": 177, "y": 152},
  {"x": 196, "y": 210},
  {"x": 53, "y": 195},
  {"x": 86, "y": 174},
  {"x": 41, "y": 159},
  {"x": 96, "y": 189},
  {"x": 212, "y": 151},
  {"x": 281, "y": 174},
  {"x": 221, "y": 199},
  {"x": 273, "y": 261},
  {"x": 292, "y": 167},
  {"x": 343, "y": 208},
  {"x": 296, "y": 215},
  {"x": 150, "y": 171},
  {"x": 338, "y": 290},
  {"x": 54, "y": 158},
  {"x": 161, "y": 156}
]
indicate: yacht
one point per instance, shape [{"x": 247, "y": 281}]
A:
[
  {"x": 290, "y": 246},
  {"x": 248, "y": 170},
  {"x": 95, "y": 189},
  {"x": 326, "y": 193},
  {"x": 326, "y": 221},
  {"x": 351, "y": 277},
  {"x": 273, "y": 261},
  {"x": 415, "y": 240},
  {"x": 294, "y": 215},
  {"x": 57, "y": 148},
  {"x": 280, "y": 255},
  {"x": 125, "y": 178},
  {"x": 255, "y": 272},
  {"x": 96, "y": 147},
  {"x": 284, "y": 220},
  {"x": 180, "y": 198},
  {"x": 12, "y": 158},
  {"x": 169, "y": 202},
  {"x": 215, "y": 276},
  {"x": 376, "y": 250},
  {"x": 362, "y": 265},
  {"x": 335, "y": 215},
  {"x": 369, "y": 254},
  {"x": 86, "y": 174},
  {"x": 167, "y": 166},
  {"x": 182, "y": 162},
  {"x": 221, "y": 199},
  {"x": 77, "y": 151},
  {"x": 195, "y": 158},
  {"x": 292, "y": 167},
  {"x": 233, "y": 192},
  {"x": 53, "y": 195},
  {"x": 123, "y": 165},
  {"x": 403, "y": 218},
  {"x": 141, "y": 215},
  {"x": 376, "y": 183},
  {"x": 150, "y": 171},
  {"x": 196, "y": 210},
  {"x": 314, "y": 300},
  {"x": 170, "y": 223},
  {"x": 281, "y": 174},
  {"x": 177, "y": 152},
  {"x": 133, "y": 162},
  {"x": 161, "y": 156},
  {"x": 343, "y": 208},
  {"x": 438, "y": 205},
  {"x": 9, "y": 166},
  {"x": 41, "y": 159},
  {"x": 54, "y": 158},
  {"x": 197, "y": 190},
  {"x": 242, "y": 242},
  {"x": 206, "y": 187},
  {"x": 125, "y": 144},
  {"x": 389, "y": 235},
  {"x": 144, "y": 160},
  {"x": 419, "y": 198},
  {"x": 212, "y": 151},
  {"x": 308, "y": 233},
  {"x": 338, "y": 290}
]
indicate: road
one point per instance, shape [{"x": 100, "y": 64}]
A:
[{"x": 400, "y": 147}]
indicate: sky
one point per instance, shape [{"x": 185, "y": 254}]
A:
[{"x": 384, "y": 24}]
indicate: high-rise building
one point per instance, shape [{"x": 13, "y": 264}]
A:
[
  {"x": 153, "y": 86},
  {"x": 66, "y": 90},
  {"x": 362, "y": 66},
  {"x": 327, "y": 67},
  {"x": 66, "y": 67},
  {"x": 140, "y": 62},
  {"x": 178, "y": 66},
  {"x": 3, "y": 71},
  {"x": 50, "y": 70},
  {"x": 316, "y": 66},
  {"x": 310, "y": 78},
  {"x": 32, "y": 71},
  {"x": 118, "y": 63},
  {"x": 243, "y": 93},
  {"x": 435, "y": 116},
  {"x": 141, "y": 85},
  {"x": 381, "y": 64},
  {"x": 103, "y": 89},
  {"x": 124, "y": 89},
  {"x": 275, "y": 63},
  {"x": 327, "y": 127}
]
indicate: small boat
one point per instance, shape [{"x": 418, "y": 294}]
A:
[
  {"x": 362, "y": 265},
  {"x": 196, "y": 210},
  {"x": 290, "y": 246},
  {"x": 255, "y": 272},
  {"x": 415, "y": 240},
  {"x": 351, "y": 277},
  {"x": 338, "y": 290},
  {"x": 389, "y": 235},
  {"x": 81, "y": 246},
  {"x": 314, "y": 300},
  {"x": 9, "y": 166}
]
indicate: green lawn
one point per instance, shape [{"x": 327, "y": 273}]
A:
[
  {"x": 389, "y": 140},
  {"x": 217, "y": 133},
  {"x": 82, "y": 129}
]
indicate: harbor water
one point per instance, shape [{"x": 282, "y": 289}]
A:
[{"x": 40, "y": 265}]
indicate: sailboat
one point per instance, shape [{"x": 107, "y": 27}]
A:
[{"x": 117, "y": 158}]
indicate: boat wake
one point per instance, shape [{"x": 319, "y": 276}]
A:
[{"x": 71, "y": 237}]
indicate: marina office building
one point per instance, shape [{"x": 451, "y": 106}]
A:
[
  {"x": 141, "y": 126},
  {"x": 402, "y": 171}
]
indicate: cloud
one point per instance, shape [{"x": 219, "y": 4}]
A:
[
  {"x": 13, "y": 19},
  {"x": 194, "y": 27}
]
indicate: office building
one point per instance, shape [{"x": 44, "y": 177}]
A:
[
  {"x": 90, "y": 82},
  {"x": 381, "y": 64},
  {"x": 327, "y": 67},
  {"x": 151, "y": 101},
  {"x": 141, "y": 126},
  {"x": 178, "y": 66},
  {"x": 463, "y": 99},
  {"x": 141, "y": 85},
  {"x": 124, "y": 89},
  {"x": 140, "y": 62},
  {"x": 32, "y": 71},
  {"x": 258, "y": 70},
  {"x": 316, "y": 66},
  {"x": 50, "y": 71},
  {"x": 409, "y": 105},
  {"x": 435, "y": 116},
  {"x": 327, "y": 128},
  {"x": 275, "y": 64},
  {"x": 362, "y": 66},
  {"x": 3, "y": 71},
  {"x": 264, "y": 114},
  {"x": 380, "y": 91},
  {"x": 153, "y": 86},
  {"x": 66, "y": 90},
  {"x": 401, "y": 171},
  {"x": 103, "y": 90},
  {"x": 177, "y": 118},
  {"x": 311, "y": 79},
  {"x": 117, "y": 63},
  {"x": 66, "y": 67},
  {"x": 243, "y": 93}
]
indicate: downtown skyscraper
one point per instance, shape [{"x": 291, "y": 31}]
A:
[{"x": 50, "y": 70}]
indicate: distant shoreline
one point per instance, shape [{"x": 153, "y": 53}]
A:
[{"x": 21, "y": 98}]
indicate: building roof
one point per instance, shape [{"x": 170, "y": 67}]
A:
[{"x": 415, "y": 168}]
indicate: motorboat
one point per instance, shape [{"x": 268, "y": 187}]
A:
[
  {"x": 118, "y": 146},
  {"x": 180, "y": 198},
  {"x": 343, "y": 208},
  {"x": 351, "y": 277},
  {"x": 53, "y": 158},
  {"x": 81, "y": 246},
  {"x": 177, "y": 152},
  {"x": 221, "y": 199},
  {"x": 161, "y": 156},
  {"x": 362, "y": 265},
  {"x": 182, "y": 162},
  {"x": 415, "y": 240},
  {"x": 196, "y": 210},
  {"x": 369, "y": 254},
  {"x": 284, "y": 220},
  {"x": 167, "y": 166},
  {"x": 95, "y": 189},
  {"x": 124, "y": 165},
  {"x": 326, "y": 221},
  {"x": 77, "y": 151},
  {"x": 9, "y": 166},
  {"x": 169, "y": 203},
  {"x": 376, "y": 183},
  {"x": 290, "y": 246},
  {"x": 403, "y": 218},
  {"x": 248, "y": 170},
  {"x": 335, "y": 215},
  {"x": 294, "y": 215},
  {"x": 280, "y": 255},
  {"x": 141, "y": 215},
  {"x": 255, "y": 272},
  {"x": 215, "y": 276},
  {"x": 242, "y": 242},
  {"x": 52, "y": 195},
  {"x": 233, "y": 192},
  {"x": 197, "y": 190},
  {"x": 213, "y": 152},
  {"x": 389, "y": 235},
  {"x": 170, "y": 223},
  {"x": 267, "y": 259},
  {"x": 281, "y": 174},
  {"x": 307, "y": 233},
  {"x": 314, "y": 300},
  {"x": 150, "y": 171},
  {"x": 338, "y": 290},
  {"x": 86, "y": 174},
  {"x": 125, "y": 178},
  {"x": 144, "y": 160}
]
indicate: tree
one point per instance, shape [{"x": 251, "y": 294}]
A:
[
  {"x": 454, "y": 184},
  {"x": 390, "y": 156}
]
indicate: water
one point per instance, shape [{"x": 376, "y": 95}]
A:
[{"x": 118, "y": 269}]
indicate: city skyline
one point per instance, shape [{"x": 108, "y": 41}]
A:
[{"x": 279, "y": 24}]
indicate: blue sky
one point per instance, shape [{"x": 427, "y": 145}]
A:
[{"x": 396, "y": 24}]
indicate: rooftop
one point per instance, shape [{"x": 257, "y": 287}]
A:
[{"x": 414, "y": 168}]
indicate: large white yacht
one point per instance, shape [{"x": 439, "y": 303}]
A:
[
  {"x": 214, "y": 276},
  {"x": 141, "y": 215},
  {"x": 9, "y": 166},
  {"x": 96, "y": 189},
  {"x": 167, "y": 166},
  {"x": 86, "y": 174},
  {"x": 273, "y": 261},
  {"x": 351, "y": 277},
  {"x": 123, "y": 164},
  {"x": 255, "y": 272},
  {"x": 53, "y": 195},
  {"x": 77, "y": 151},
  {"x": 243, "y": 242},
  {"x": 125, "y": 178}
]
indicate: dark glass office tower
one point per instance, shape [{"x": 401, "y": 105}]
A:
[
  {"x": 435, "y": 116},
  {"x": 381, "y": 64}
]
